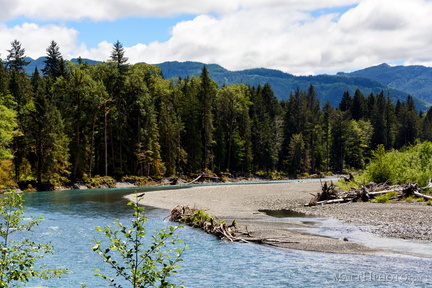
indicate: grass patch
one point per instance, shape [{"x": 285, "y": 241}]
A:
[
  {"x": 410, "y": 198},
  {"x": 384, "y": 198},
  {"x": 380, "y": 199}
]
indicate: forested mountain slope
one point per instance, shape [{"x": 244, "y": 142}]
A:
[
  {"x": 328, "y": 87},
  {"x": 399, "y": 82},
  {"x": 415, "y": 80}
]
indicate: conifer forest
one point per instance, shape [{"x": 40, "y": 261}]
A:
[{"x": 72, "y": 121}]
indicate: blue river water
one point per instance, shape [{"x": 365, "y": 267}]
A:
[{"x": 70, "y": 219}]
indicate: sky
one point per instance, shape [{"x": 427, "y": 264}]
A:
[{"x": 301, "y": 37}]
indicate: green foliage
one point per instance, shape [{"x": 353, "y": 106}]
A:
[
  {"x": 141, "y": 261},
  {"x": 8, "y": 125},
  {"x": 381, "y": 199},
  {"x": 429, "y": 203},
  {"x": 115, "y": 119},
  {"x": 385, "y": 198},
  {"x": 18, "y": 254},
  {"x": 198, "y": 217},
  {"x": 380, "y": 169},
  {"x": 410, "y": 198},
  {"x": 98, "y": 182},
  {"x": 413, "y": 164},
  {"x": 347, "y": 185}
]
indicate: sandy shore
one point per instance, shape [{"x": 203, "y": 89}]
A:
[{"x": 243, "y": 202}]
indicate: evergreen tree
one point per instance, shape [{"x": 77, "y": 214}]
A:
[
  {"x": 206, "y": 96},
  {"x": 379, "y": 122},
  {"x": 409, "y": 123},
  {"x": 171, "y": 128},
  {"x": 16, "y": 58},
  {"x": 370, "y": 104},
  {"x": 232, "y": 149},
  {"x": 19, "y": 88},
  {"x": 346, "y": 102},
  {"x": 143, "y": 84},
  {"x": 303, "y": 116},
  {"x": 359, "y": 106},
  {"x": 328, "y": 114},
  {"x": 49, "y": 155},
  {"x": 426, "y": 126},
  {"x": 4, "y": 79},
  {"x": 391, "y": 124},
  {"x": 296, "y": 154},
  {"x": 313, "y": 131},
  {"x": 338, "y": 146},
  {"x": 264, "y": 115},
  {"x": 54, "y": 64},
  {"x": 118, "y": 57},
  {"x": 189, "y": 111},
  {"x": 82, "y": 96}
]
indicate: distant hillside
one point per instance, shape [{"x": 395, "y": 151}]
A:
[
  {"x": 39, "y": 63},
  {"x": 329, "y": 87},
  {"x": 415, "y": 80}
]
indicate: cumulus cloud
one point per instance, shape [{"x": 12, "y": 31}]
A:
[
  {"x": 36, "y": 39},
  {"x": 372, "y": 32},
  {"x": 113, "y": 9},
  {"x": 288, "y": 35}
]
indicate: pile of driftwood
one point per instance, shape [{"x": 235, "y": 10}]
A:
[
  {"x": 193, "y": 217},
  {"x": 331, "y": 194},
  {"x": 199, "y": 219}
]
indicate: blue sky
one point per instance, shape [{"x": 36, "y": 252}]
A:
[{"x": 296, "y": 36}]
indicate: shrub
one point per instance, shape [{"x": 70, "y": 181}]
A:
[
  {"x": 139, "y": 263},
  {"x": 18, "y": 255},
  {"x": 198, "y": 217},
  {"x": 98, "y": 182},
  {"x": 411, "y": 164}
]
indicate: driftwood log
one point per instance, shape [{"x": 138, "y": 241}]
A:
[
  {"x": 186, "y": 215},
  {"x": 331, "y": 194}
]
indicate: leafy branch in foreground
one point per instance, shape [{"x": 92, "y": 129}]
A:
[
  {"x": 18, "y": 257},
  {"x": 139, "y": 262}
]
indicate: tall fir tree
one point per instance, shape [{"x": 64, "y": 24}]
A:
[
  {"x": 19, "y": 87},
  {"x": 49, "y": 155},
  {"x": 55, "y": 65},
  {"x": 206, "y": 96}
]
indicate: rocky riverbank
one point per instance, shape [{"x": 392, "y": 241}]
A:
[
  {"x": 399, "y": 219},
  {"x": 244, "y": 202}
]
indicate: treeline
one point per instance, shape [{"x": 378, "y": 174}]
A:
[{"x": 70, "y": 122}]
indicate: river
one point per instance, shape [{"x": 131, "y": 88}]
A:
[{"x": 70, "y": 219}]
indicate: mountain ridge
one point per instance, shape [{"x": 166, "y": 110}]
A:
[
  {"x": 414, "y": 79},
  {"x": 383, "y": 77}
]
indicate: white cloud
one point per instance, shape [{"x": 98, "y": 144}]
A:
[
  {"x": 240, "y": 34},
  {"x": 113, "y": 9},
  {"x": 101, "y": 53},
  {"x": 35, "y": 39},
  {"x": 373, "y": 32}
]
